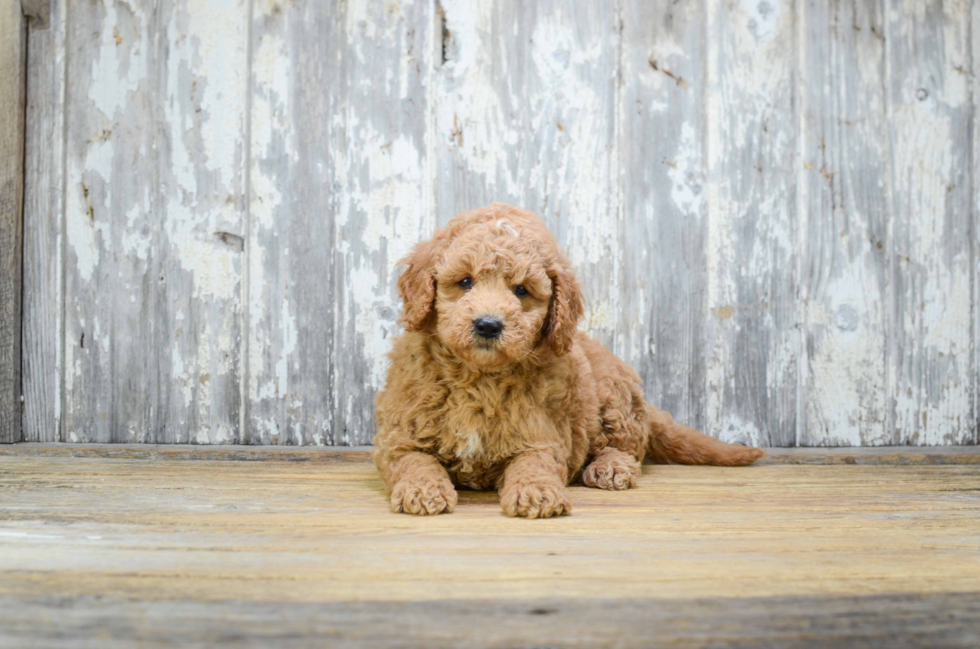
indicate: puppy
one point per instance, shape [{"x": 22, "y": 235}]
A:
[{"x": 493, "y": 386}]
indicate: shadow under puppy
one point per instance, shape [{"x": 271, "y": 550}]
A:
[{"x": 493, "y": 386}]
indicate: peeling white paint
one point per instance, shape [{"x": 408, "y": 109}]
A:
[
  {"x": 119, "y": 67},
  {"x": 685, "y": 172},
  {"x": 749, "y": 143},
  {"x": 934, "y": 378},
  {"x": 736, "y": 431}
]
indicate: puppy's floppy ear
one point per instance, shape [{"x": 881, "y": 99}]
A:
[
  {"x": 564, "y": 311},
  {"x": 417, "y": 285}
]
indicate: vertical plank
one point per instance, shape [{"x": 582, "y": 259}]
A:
[
  {"x": 13, "y": 37},
  {"x": 341, "y": 189},
  {"x": 934, "y": 376},
  {"x": 975, "y": 210},
  {"x": 387, "y": 202},
  {"x": 527, "y": 115},
  {"x": 44, "y": 238},
  {"x": 154, "y": 182},
  {"x": 479, "y": 123},
  {"x": 845, "y": 274},
  {"x": 660, "y": 140},
  {"x": 290, "y": 211},
  {"x": 752, "y": 336}
]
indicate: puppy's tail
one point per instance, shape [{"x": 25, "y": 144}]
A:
[{"x": 672, "y": 443}]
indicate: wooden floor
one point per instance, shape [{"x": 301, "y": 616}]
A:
[{"x": 302, "y": 550}]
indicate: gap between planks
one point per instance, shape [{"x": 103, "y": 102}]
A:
[{"x": 881, "y": 455}]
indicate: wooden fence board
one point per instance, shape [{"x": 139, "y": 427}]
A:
[
  {"x": 44, "y": 238},
  {"x": 526, "y": 114},
  {"x": 154, "y": 185},
  {"x": 292, "y": 207},
  {"x": 752, "y": 340},
  {"x": 845, "y": 279},
  {"x": 975, "y": 215},
  {"x": 929, "y": 90},
  {"x": 13, "y": 41},
  {"x": 664, "y": 295},
  {"x": 340, "y": 194}
]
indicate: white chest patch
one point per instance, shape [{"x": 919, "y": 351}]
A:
[{"x": 469, "y": 445}]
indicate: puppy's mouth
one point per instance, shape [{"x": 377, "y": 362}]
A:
[{"x": 484, "y": 344}]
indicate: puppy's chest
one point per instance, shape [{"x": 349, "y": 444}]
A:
[{"x": 484, "y": 425}]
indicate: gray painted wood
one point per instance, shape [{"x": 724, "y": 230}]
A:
[
  {"x": 154, "y": 181},
  {"x": 288, "y": 392},
  {"x": 339, "y": 195},
  {"x": 44, "y": 239},
  {"x": 975, "y": 215},
  {"x": 13, "y": 48},
  {"x": 771, "y": 225},
  {"x": 663, "y": 193},
  {"x": 935, "y": 381},
  {"x": 752, "y": 334},
  {"x": 845, "y": 277},
  {"x": 526, "y": 114},
  {"x": 38, "y": 12}
]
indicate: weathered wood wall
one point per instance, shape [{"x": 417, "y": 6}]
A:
[{"x": 773, "y": 205}]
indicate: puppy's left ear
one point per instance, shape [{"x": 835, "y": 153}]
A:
[
  {"x": 417, "y": 285},
  {"x": 564, "y": 311}
]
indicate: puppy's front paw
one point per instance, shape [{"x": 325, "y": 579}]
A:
[
  {"x": 535, "y": 500},
  {"x": 611, "y": 469},
  {"x": 424, "y": 496}
]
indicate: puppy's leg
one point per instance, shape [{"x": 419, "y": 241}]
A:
[
  {"x": 618, "y": 448},
  {"x": 420, "y": 485},
  {"x": 533, "y": 485}
]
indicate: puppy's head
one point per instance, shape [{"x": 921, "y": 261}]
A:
[{"x": 494, "y": 286}]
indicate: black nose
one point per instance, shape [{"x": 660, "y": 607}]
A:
[{"x": 489, "y": 328}]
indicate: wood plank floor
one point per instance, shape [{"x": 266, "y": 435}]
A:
[{"x": 116, "y": 551}]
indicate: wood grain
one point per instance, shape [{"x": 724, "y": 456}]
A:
[
  {"x": 845, "y": 281},
  {"x": 663, "y": 172},
  {"x": 296, "y": 133},
  {"x": 339, "y": 194},
  {"x": 13, "y": 56},
  {"x": 934, "y": 381},
  {"x": 154, "y": 183},
  {"x": 944, "y": 620},
  {"x": 44, "y": 232},
  {"x": 527, "y": 114},
  {"x": 752, "y": 336},
  {"x": 197, "y": 538},
  {"x": 975, "y": 213}
]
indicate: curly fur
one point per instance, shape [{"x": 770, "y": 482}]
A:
[{"x": 526, "y": 413}]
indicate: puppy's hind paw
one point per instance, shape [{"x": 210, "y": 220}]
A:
[
  {"x": 423, "y": 497},
  {"x": 611, "y": 469}
]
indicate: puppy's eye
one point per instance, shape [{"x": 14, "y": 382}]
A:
[
  {"x": 466, "y": 283},
  {"x": 520, "y": 291}
]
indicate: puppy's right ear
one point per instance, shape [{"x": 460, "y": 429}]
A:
[{"x": 417, "y": 286}]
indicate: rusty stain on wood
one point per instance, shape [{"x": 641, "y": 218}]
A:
[{"x": 678, "y": 80}]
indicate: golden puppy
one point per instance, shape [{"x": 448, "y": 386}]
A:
[{"x": 493, "y": 386}]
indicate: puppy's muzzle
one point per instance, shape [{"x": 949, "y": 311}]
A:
[{"x": 488, "y": 328}]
